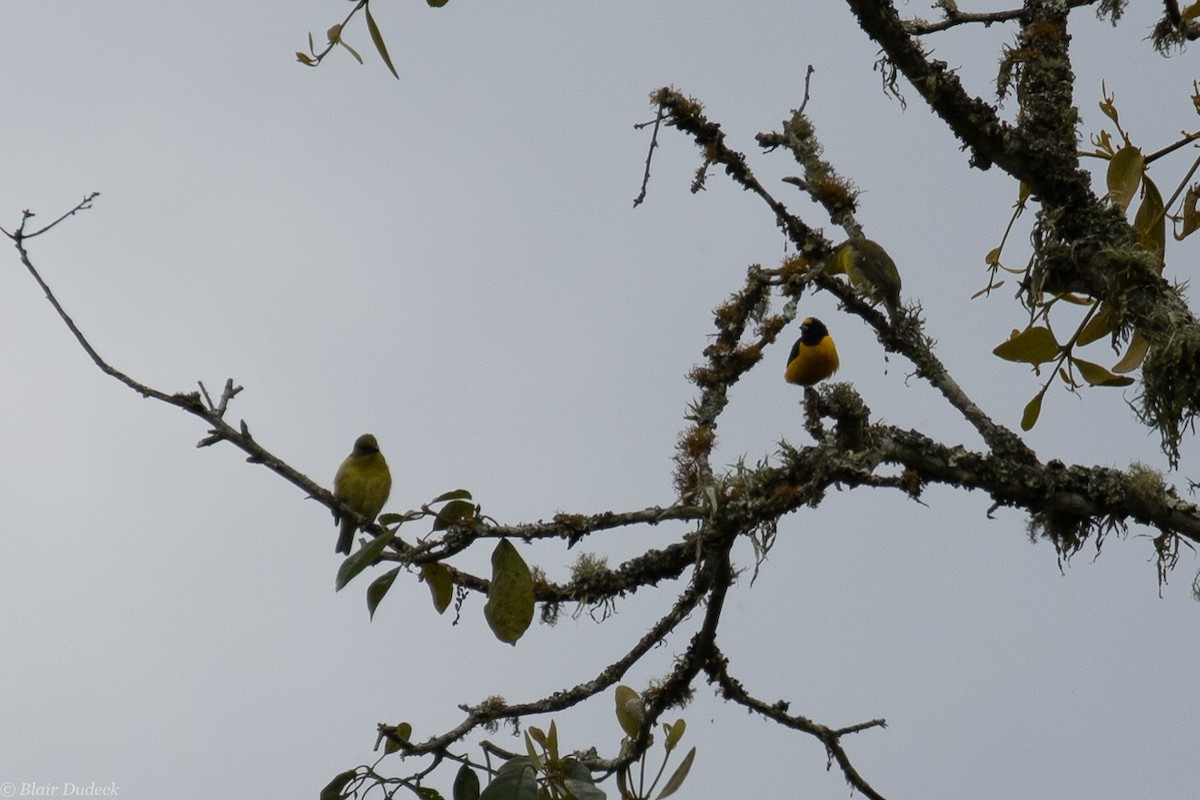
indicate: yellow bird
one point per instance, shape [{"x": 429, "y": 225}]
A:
[
  {"x": 814, "y": 356},
  {"x": 363, "y": 483},
  {"x": 871, "y": 271}
]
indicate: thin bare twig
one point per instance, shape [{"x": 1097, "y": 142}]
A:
[{"x": 658, "y": 118}]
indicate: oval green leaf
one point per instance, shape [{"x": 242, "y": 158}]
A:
[
  {"x": 466, "y": 784},
  {"x": 1125, "y": 175},
  {"x": 379, "y": 589},
  {"x": 1033, "y": 410},
  {"x": 1032, "y": 345},
  {"x": 362, "y": 559},
  {"x": 334, "y": 789},
  {"x": 509, "y": 608},
  {"x": 454, "y": 513},
  {"x": 453, "y": 494},
  {"x": 674, "y": 733},
  {"x": 441, "y": 585},
  {"x": 1097, "y": 375},
  {"x": 515, "y": 780},
  {"x": 583, "y": 790},
  {"x": 573, "y": 769},
  {"x": 1102, "y": 324},
  {"x": 538, "y": 734},
  {"x": 630, "y": 711}
]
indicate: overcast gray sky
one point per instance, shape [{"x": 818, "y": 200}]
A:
[{"x": 451, "y": 261}]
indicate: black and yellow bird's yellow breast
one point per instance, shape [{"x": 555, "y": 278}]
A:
[{"x": 814, "y": 356}]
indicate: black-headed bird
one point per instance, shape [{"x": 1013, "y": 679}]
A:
[
  {"x": 814, "y": 356},
  {"x": 363, "y": 483}
]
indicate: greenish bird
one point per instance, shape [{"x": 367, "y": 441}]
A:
[
  {"x": 871, "y": 271},
  {"x": 363, "y": 483}
]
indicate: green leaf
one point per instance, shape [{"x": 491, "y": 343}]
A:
[
  {"x": 552, "y": 742},
  {"x": 353, "y": 52},
  {"x": 1191, "y": 213},
  {"x": 453, "y": 513},
  {"x": 531, "y": 751},
  {"x": 1150, "y": 222},
  {"x": 993, "y": 257},
  {"x": 334, "y": 789},
  {"x": 630, "y": 710},
  {"x": 304, "y": 58},
  {"x": 466, "y": 784},
  {"x": 1125, "y": 175},
  {"x": 1097, "y": 375},
  {"x": 515, "y": 780},
  {"x": 1102, "y": 324},
  {"x": 377, "y": 38},
  {"x": 429, "y": 793},
  {"x": 578, "y": 780},
  {"x": 379, "y": 589},
  {"x": 538, "y": 734},
  {"x": 574, "y": 769},
  {"x": 437, "y": 3},
  {"x": 1135, "y": 354},
  {"x": 679, "y": 775},
  {"x": 453, "y": 494},
  {"x": 1033, "y": 410},
  {"x": 509, "y": 608},
  {"x": 674, "y": 733},
  {"x": 362, "y": 559},
  {"x": 582, "y": 790},
  {"x": 1032, "y": 345},
  {"x": 441, "y": 585}
]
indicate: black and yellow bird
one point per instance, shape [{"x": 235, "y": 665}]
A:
[
  {"x": 814, "y": 356},
  {"x": 363, "y": 483}
]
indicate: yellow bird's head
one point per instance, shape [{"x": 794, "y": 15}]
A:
[{"x": 365, "y": 445}]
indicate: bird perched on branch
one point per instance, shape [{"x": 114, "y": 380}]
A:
[
  {"x": 871, "y": 271},
  {"x": 363, "y": 483},
  {"x": 814, "y": 356}
]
